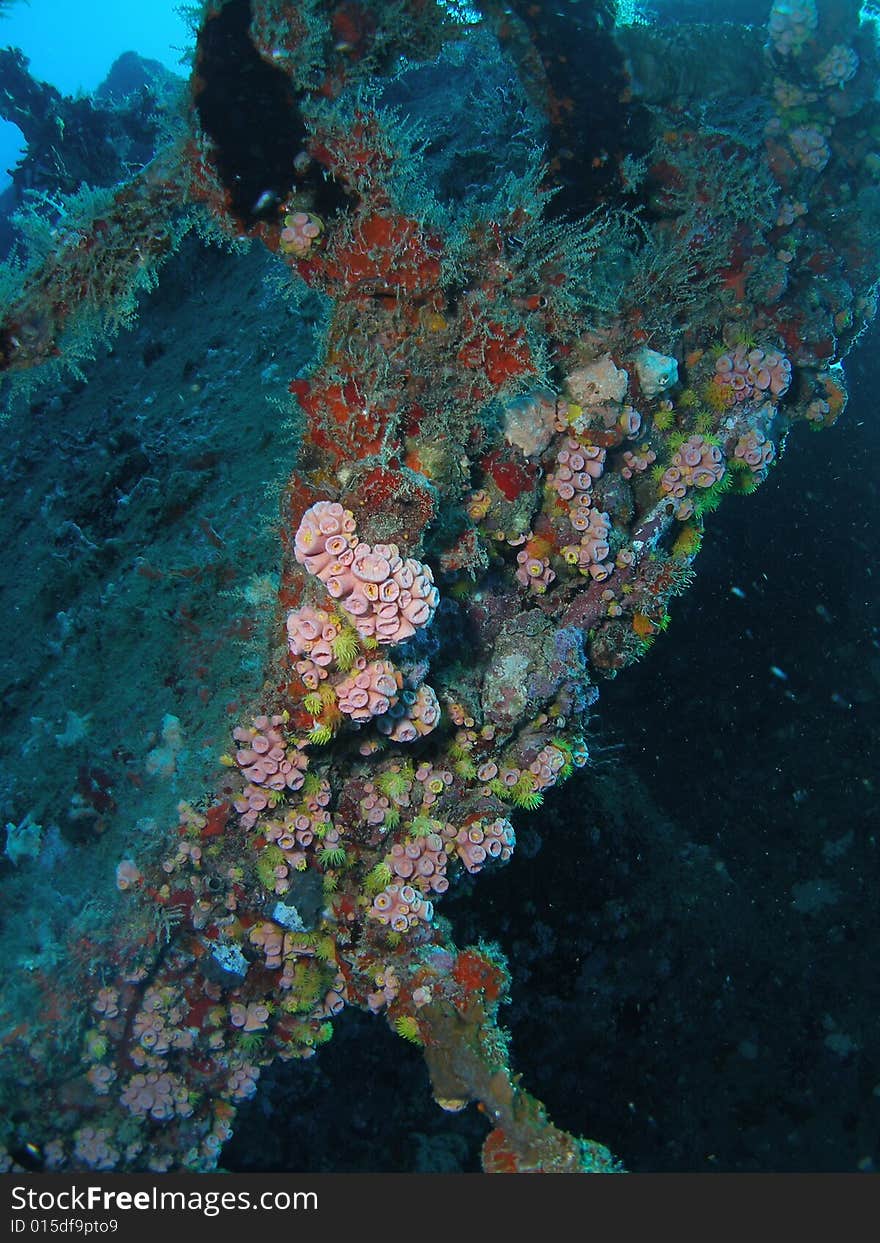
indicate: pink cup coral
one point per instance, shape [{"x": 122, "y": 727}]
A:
[
  {"x": 697, "y": 464},
  {"x": 401, "y": 907},
  {"x": 791, "y": 24},
  {"x": 810, "y": 147},
  {"x": 422, "y": 861},
  {"x": 387, "y": 596},
  {"x": 300, "y": 233},
  {"x": 477, "y": 842},
  {"x": 745, "y": 373},
  {"x": 370, "y": 690},
  {"x": 577, "y": 467},
  {"x": 416, "y": 714},
  {"x": 264, "y": 759},
  {"x": 755, "y": 450}
]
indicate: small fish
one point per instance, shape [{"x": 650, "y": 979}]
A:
[
  {"x": 267, "y": 199},
  {"x": 779, "y": 673},
  {"x": 738, "y": 592},
  {"x": 824, "y": 614},
  {"x": 839, "y": 701},
  {"x": 30, "y": 1156}
]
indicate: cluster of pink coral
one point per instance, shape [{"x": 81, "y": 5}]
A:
[
  {"x": 294, "y": 831},
  {"x": 479, "y": 841},
  {"x": 325, "y": 531},
  {"x": 387, "y": 988},
  {"x": 293, "y": 836},
  {"x": 101, "y": 1076},
  {"x": 787, "y": 94},
  {"x": 267, "y": 764},
  {"x": 94, "y": 1149},
  {"x": 546, "y": 767},
  {"x": 577, "y": 467},
  {"x": 697, "y": 464},
  {"x": 128, "y": 874},
  {"x": 187, "y": 852},
  {"x": 635, "y": 462},
  {"x": 242, "y": 1083},
  {"x": 789, "y": 211},
  {"x": 590, "y": 556},
  {"x": 387, "y": 596},
  {"x": 264, "y": 760},
  {"x": 415, "y": 714},
  {"x": 433, "y": 782},
  {"x": 107, "y": 1002},
  {"x": 300, "y": 826},
  {"x": 744, "y": 373},
  {"x": 252, "y": 1017},
  {"x": 157, "y": 1094},
  {"x": 252, "y": 800},
  {"x": 370, "y": 690},
  {"x": 838, "y": 66},
  {"x": 401, "y": 907},
  {"x": 810, "y": 147},
  {"x": 300, "y": 234},
  {"x": 159, "y": 1025},
  {"x": 421, "y": 860},
  {"x": 791, "y": 24},
  {"x": 374, "y": 806},
  {"x": 818, "y": 410},
  {"x": 755, "y": 450},
  {"x": 270, "y": 939},
  {"x": 534, "y": 572},
  {"x": 310, "y": 636}
]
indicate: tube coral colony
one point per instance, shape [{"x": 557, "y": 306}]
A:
[{"x": 530, "y": 392}]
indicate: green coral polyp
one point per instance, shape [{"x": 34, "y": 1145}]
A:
[
  {"x": 408, "y": 1029},
  {"x": 332, "y": 857},
  {"x": 320, "y": 734},
  {"x": 346, "y": 648},
  {"x": 270, "y": 858}
]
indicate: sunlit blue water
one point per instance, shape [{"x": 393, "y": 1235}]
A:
[{"x": 73, "y": 45}]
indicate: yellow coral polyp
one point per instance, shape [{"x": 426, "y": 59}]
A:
[
  {"x": 664, "y": 418},
  {"x": 313, "y": 703},
  {"x": 433, "y": 321},
  {"x": 327, "y": 694},
  {"x": 346, "y": 647},
  {"x": 718, "y": 397},
  {"x": 478, "y": 505},
  {"x": 408, "y": 1028},
  {"x": 378, "y": 878},
  {"x": 688, "y": 541}
]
